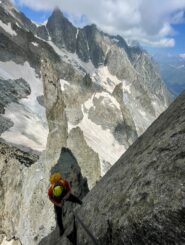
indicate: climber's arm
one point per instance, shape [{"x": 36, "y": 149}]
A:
[{"x": 68, "y": 188}]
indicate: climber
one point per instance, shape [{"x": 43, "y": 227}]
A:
[{"x": 59, "y": 192}]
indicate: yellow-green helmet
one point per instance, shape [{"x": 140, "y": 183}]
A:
[{"x": 57, "y": 190}]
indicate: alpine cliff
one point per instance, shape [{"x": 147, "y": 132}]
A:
[
  {"x": 111, "y": 92},
  {"x": 141, "y": 199},
  {"x": 76, "y": 98}
]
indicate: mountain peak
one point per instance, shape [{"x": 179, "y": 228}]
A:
[
  {"x": 6, "y": 3},
  {"x": 8, "y": 7},
  {"x": 57, "y": 12}
]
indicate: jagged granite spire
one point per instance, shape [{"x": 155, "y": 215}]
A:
[{"x": 62, "y": 32}]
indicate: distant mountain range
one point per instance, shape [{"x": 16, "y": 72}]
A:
[{"x": 172, "y": 68}]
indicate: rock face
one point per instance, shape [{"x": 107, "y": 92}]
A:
[
  {"x": 24, "y": 182},
  {"x": 88, "y": 160},
  {"x": 55, "y": 110},
  {"x": 61, "y": 87},
  {"x": 67, "y": 165},
  {"x": 12, "y": 165},
  {"x": 141, "y": 200},
  {"x": 62, "y": 31},
  {"x": 15, "y": 90},
  {"x": 91, "y": 80}
]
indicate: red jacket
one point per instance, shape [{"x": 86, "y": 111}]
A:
[{"x": 66, "y": 188}]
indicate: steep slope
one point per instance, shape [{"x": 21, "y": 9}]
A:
[
  {"x": 79, "y": 94},
  {"x": 141, "y": 199},
  {"x": 19, "y": 66},
  {"x": 122, "y": 92},
  {"x": 13, "y": 169},
  {"x": 26, "y": 213},
  {"x": 111, "y": 92}
]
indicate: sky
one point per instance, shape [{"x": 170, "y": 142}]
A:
[{"x": 155, "y": 24}]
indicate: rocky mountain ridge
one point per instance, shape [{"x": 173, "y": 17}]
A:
[
  {"x": 172, "y": 71},
  {"x": 141, "y": 198},
  {"x": 94, "y": 69},
  {"x": 66, "y": 88}
]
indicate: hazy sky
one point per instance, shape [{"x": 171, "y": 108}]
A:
[{"x": 154, "y": 23}]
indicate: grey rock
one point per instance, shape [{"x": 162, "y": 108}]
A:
[
  {"x": 87, "y": 159},
  {"x": 141, "y": 199},
  {"x": 87, "y": 82},
  {"x": 68, "y": 166},
  {"x": 62, "y": 32},
  {"x": 95, "y": 51},
  {"x": 82, "y": 46},
  {"x": 74, "y": 115},
  {"x": 12, "y": 161},
  {"x": 65, "y": 108},
  {"x": 20, "y": 48},
  {"x": 13, "y": 90},
  {"x": 26, "y": 23},
  {"x": 5, "y": 124},
  {"x": 25, "y": 158},
  {"x": 125, "y": 131},
  {"x": 103, "y": 114},
  {"x": 41, "y": 100},
  {"x": 119, "y": 64},
  {"x": 55, "y": 110},
  {"x": 42, "y": 32},
  {"x": 8, "y": 13},
  {"x": 143, "y": 97}
]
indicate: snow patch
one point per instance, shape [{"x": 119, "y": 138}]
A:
[
  {"x": 89, "y": 103},
  {"x": 35, "y": 23},
  {"x": 28, "y": 129},
  {"x": 11, "y": 242},
  {"x": 77, "y": 31},
  {"x": 8, "y": 28},
  {"x": 4, "y": 74},
  {"x": 63, "y": 83},
  {"x": 17, "y": 24},
  {"x": 115, "y": 40},
  {"x": 126, "y": 87},
  {"x": 72, "y": 58},
  {"x": 35, "y": 44},
  {"x": 15, "y": 71},
  {"x": 108, "y": 100},
  {"x": 28, "y": 110},
  {"x": 44, "y": 23},
  {"x": 100, "y": 140},
  {"x": 103, "y": 77}
]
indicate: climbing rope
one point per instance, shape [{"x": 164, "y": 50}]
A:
[{"x": 95, "y": 241}]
